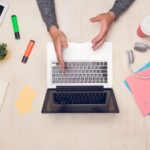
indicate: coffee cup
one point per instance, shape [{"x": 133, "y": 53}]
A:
[{"x": 144, "y": 28}]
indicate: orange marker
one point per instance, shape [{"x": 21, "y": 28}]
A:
[{"x": 28, "y": 51}]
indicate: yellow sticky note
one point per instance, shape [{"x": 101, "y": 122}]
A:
[{"x": 25, "y": 99}]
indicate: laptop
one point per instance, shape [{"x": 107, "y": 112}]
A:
[{"x": 86, "y": 84}]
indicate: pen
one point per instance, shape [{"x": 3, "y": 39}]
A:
[
  {"x": 15, "y": 26},
  {"x": 28, "y": 51}
]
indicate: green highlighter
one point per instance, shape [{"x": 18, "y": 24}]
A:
[{"x": 15, "y": 26}]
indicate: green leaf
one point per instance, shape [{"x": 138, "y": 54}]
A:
[{"x": 3, "y": 51}]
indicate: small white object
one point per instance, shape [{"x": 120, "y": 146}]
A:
[
  {"x": 3, "y": 9},
  {"x": 3, "y": 89}
]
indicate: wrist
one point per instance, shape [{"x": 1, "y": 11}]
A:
[
  {"x": 112, "y": 16},
  {"x": 53, "y": 30}
]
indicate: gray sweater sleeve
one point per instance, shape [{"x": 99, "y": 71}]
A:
[
  {"x": 120, "y": 6},
  {"x": 47, "y": 9}
]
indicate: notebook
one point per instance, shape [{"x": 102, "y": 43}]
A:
[
  {"x": 25, "y": 99},
  {"x": 3, "y": 89},
  {"x": 146, "y": 66},
  {"x": 140, "y": 90}
]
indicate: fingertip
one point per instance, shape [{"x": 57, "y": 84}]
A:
[
  {"x": 96, "y": 47},
  {"x": 61, "y": 63},
  {"x": 93, "y": 48},
  {"x": 94, "y": 19},
  {"x": 93, "y": 44},
  {"x": 63, "y": 69},
  {"x": 91, "y": 19}
]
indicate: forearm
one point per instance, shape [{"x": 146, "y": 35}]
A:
[
  {"x": 47, "y": 9},
  {"x": 120, "y": 6}
]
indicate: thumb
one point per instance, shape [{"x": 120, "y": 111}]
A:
[{"x": 96, "y": 19}]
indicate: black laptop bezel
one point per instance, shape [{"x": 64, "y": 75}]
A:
[{"x": 82, "y": 109}]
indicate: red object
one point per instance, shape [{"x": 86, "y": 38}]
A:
[
  {"x": 29, "y": 48},
  {"x": 140, "y": 33},
  {"x": 28, "y": 51}
]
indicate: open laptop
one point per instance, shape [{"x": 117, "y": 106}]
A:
[{"x": 86, "y": 84}]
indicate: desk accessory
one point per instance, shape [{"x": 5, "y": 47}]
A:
[
  {"x": 15, "y": 26},
  {"x": 144, "y": 28},
  {"x": 130, "y": 59},
  {"x": 141, "y": 47},
  {"x": 25, "y": 99},
  {"x": 140, "y": 90},
  {"x": 3, "y": 51},
  {"x": 3, "y": 9},
  {"x": 28, "y": 51},
  {"x": 146, "y": 66}
]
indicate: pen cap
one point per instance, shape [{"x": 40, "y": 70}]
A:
[
  {"x": 15, "y": 23},
  {"x": 15, "y": 26}
]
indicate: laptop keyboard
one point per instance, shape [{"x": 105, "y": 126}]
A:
[
  {"x": 79, "y": 97},
  {"x": 80, "y": 72}
]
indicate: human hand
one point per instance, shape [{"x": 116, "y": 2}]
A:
[
  {"x": 60, "y": 42},
  {"x": 105, "y": 20}
]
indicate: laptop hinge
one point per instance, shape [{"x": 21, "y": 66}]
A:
[{"x": 79, "y": 88}]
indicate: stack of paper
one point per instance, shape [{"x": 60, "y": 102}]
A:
[{"x": 140, "y": 89}]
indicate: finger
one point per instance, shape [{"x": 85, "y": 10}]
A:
[
  {"x": 96, "y": 19},
  {"x": 59, "y": 55},
  {"x": 61, "y": 64},
  {"x": 61, "y": 61},
  {"x": 65, "y": 44},
  {"x": 64, "y": 41},
  {"x": 98, "y": 44},
  {"x": 95, "y": 38},
  {"x": 99, "y": 37}
]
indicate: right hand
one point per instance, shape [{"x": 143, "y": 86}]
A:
[{"x": 60, "y": 42}]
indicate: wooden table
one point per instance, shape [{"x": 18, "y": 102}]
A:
[{"x": 127, "y": 130}]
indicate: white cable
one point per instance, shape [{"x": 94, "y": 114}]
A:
[{"x": 136, "y": 75}]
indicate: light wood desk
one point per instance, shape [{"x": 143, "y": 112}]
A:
[{"x": 127, "y": 130}]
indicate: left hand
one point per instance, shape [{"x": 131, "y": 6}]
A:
[{"x": 105, "y": 20}]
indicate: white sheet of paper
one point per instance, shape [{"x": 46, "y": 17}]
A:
[{"x": 3, "y": 89}]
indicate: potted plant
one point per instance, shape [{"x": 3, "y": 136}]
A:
[{"x": 3, "y": 51}]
